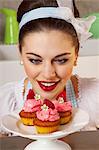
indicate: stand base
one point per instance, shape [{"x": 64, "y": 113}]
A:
[{"x": 48, "y": 145}]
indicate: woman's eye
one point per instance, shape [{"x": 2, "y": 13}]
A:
[
  {"x": 61, "y": 61},
  {"x": 35, "y": 61}
]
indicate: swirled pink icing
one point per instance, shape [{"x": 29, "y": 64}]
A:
[
  {"x": 48, "y": 115},
  {"x": 62, "y": 107},
  {"x": 32, "y": 105}
]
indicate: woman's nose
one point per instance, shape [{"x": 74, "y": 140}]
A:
[{"x": 48, "y": 71}]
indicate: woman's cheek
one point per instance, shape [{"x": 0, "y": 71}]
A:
[
  {"x": 30, "y": 71},
  {"x": 65, "y": 72}
]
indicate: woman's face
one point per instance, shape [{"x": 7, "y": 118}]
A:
[{"x": 48, "y": 58}]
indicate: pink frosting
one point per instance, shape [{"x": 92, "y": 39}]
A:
[
  {"x": 48, "y": 115},
  {"x": 62, "y": 107},
  {"x": 32, "y": 105}
]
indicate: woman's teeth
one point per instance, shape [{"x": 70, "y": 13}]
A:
[{"x": 47, "y": 84}]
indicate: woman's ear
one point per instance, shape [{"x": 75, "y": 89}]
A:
[{"x": 75, "y": 62}]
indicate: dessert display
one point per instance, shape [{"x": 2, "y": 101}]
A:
[
  {"x": 48, "y": 119},
  {"x": 45, "y": 115},
  {"x": 31, "y": 105}
]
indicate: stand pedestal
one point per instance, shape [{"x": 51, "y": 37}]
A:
[{"x": 44, "y": 144}]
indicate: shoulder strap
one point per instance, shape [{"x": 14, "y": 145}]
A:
[{"x": 71, "y": 93}]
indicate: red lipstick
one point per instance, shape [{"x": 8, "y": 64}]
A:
[{"x": 47, "y": 86}]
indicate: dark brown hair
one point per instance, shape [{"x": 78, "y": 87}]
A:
[
  {"x": 76, "y": 12},
  {"x": 44, "y": 23}
]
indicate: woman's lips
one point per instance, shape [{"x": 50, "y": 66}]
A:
[{"x": 47, "y": 86}]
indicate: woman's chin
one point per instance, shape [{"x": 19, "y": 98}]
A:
[{"x": 47, "y": 95}]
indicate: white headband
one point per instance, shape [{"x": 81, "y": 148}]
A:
[
  {"x": 82, "y": 26},
  {"x": 46, "y": 12}
]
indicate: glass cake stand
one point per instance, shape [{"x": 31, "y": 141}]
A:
[{"x": 12, "y": 123}]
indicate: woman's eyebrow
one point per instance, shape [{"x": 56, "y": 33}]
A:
[
  {"x": 62, "y": 55},
  {"x": 34, "y": 54}
]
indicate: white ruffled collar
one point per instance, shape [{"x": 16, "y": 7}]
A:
[{"x": 19, "y": 89}]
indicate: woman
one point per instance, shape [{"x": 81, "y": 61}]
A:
[{"x": 49, "y": 47}]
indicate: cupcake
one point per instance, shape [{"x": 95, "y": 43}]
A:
[
  {"x": 64, "y": 109},
  {"x": 48, "y": 119},
  {"x": 31, "y": 106}
]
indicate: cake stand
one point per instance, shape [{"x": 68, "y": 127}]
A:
[{"x": 12, "y": 123}]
